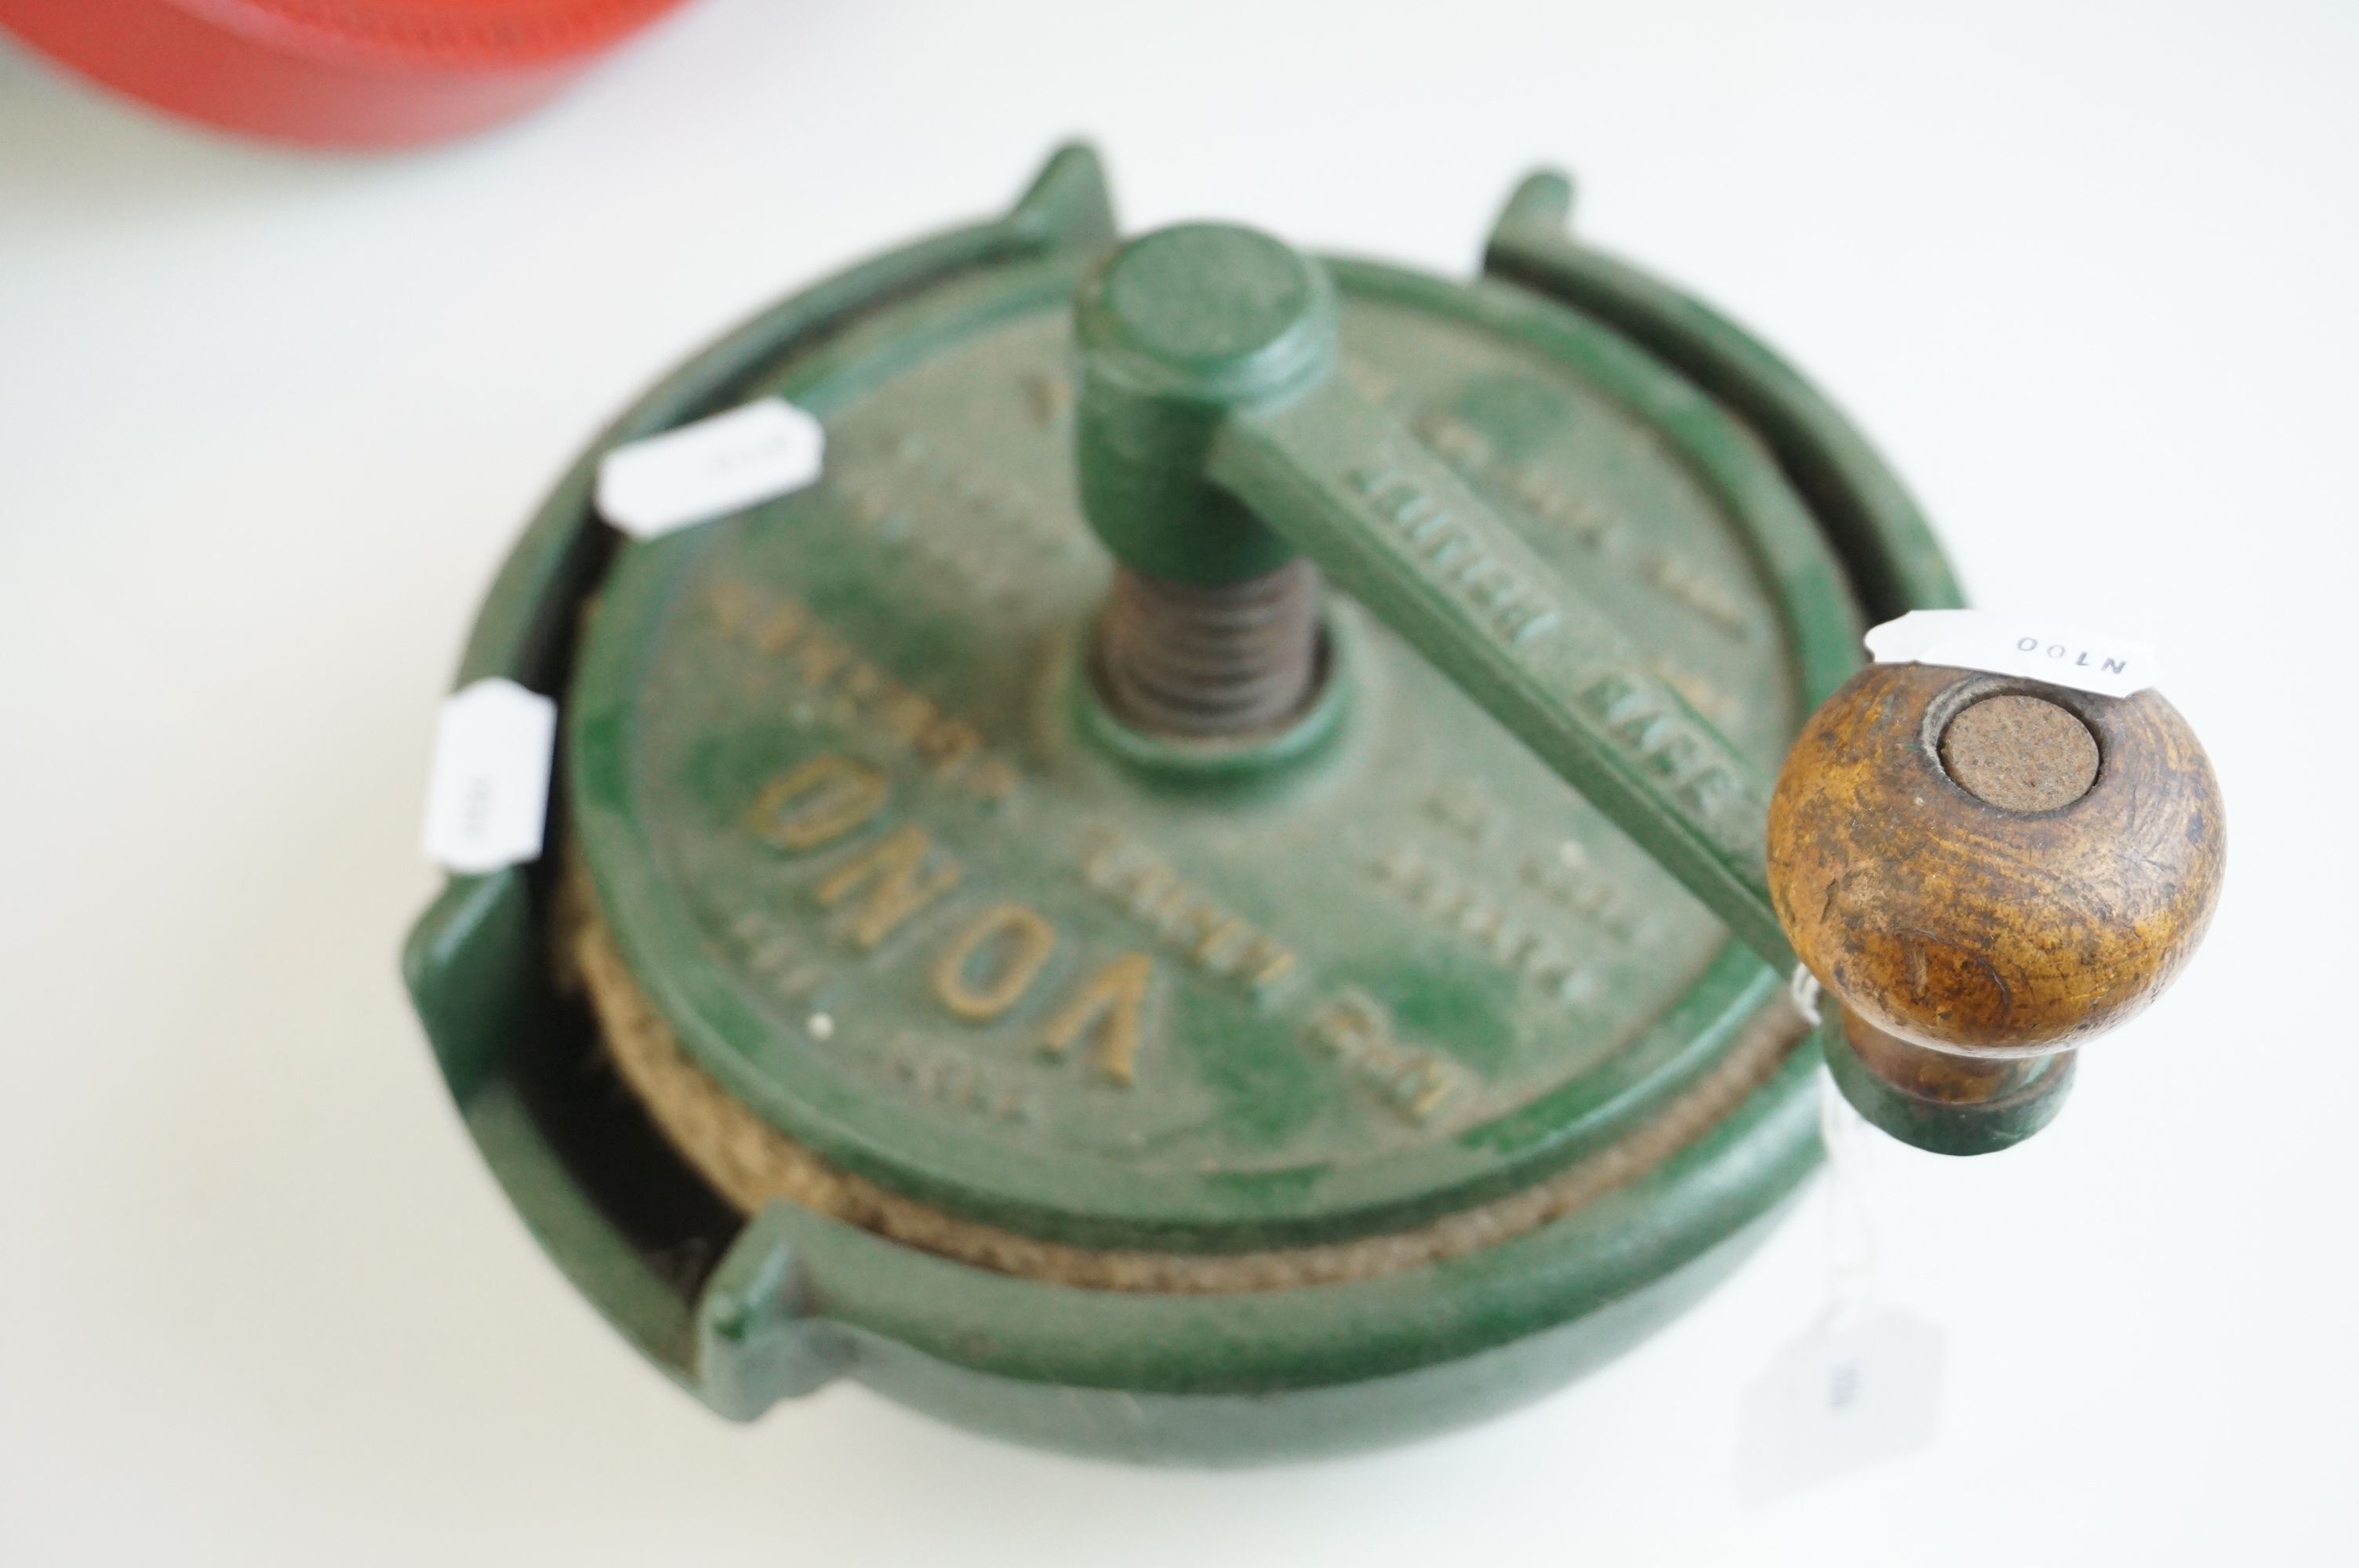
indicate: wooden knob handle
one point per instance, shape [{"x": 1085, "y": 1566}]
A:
[{"x": 1994, "y": 866}]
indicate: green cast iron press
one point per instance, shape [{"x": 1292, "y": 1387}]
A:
[{"x": 1207, "y": 892}]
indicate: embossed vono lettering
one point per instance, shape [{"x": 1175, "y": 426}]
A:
[
  {"x": 1693, "y": 588},
  {"x": 1566, "y": 875},
  {"x": 1669, "y": 744},
  {"x": 1679, "y": 579},
  {"x": 1465, "y": 807},
  {"x": 1514, "y": 609},
  {"x": 893, "y": 879},
  {"x": 1107, "y": 1010},
  {"x": 953, "y": 1077},
  {"x": 1410, "y": 1081},
  {"x": 903, "y": 488},
  {"x": 817, "y": 801},
  {"x": 1456, "y": 442},
  {"x": 822, "y": 665},
  {"x": 1470, "y": 451},
  {"x": 1717, "y": 705},
  {"x": 1454, "y": 901},
  {"x": 988, "y": 966},
  {"x": 1008, "y": 942},
  {"x": 1215, "y": 939},
  {"x": 780, "y": 959},
  {"x": 1585, "y": 520}
]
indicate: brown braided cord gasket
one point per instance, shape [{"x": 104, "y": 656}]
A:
[{"x": 752, "y": 1164}]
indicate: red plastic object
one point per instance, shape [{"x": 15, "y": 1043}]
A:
[{"x": 351, "y": 73}]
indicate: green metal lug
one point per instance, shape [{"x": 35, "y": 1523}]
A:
[
  {"x": 468, "y": 964},
  {"x": 1068, "y": 206},
  {"x": 757, "y": 1340}
]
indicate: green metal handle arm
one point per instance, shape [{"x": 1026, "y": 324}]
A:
[
  {"x": 1217, "y": 436},
  {"x": 1342, "y": 481}
]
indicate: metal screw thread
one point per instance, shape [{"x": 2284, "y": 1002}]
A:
[{"x": 1183, "y": 658}]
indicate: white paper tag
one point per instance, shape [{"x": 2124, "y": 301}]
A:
[
  {"x": 2008, "y": 645},
  {"x": 487, "y": 797},
  {"x": 1841, "y": 1398},
  {"x": 710, "y": 469}
]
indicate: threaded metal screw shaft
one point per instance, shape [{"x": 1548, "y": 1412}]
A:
[{"x": 1187, "y": 659}]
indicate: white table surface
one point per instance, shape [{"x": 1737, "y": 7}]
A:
[{"x": 267, "y": 422}]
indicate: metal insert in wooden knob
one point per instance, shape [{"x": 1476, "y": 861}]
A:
[{"x": 1986, "y": 871}]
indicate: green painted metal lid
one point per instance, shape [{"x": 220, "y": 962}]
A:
[{"x": 898, "y": 885}]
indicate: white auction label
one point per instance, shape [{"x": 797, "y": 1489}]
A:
[
  {"x": 751, "y": 454},
  {"x": 2006, "y": 645},
  {"x": 487, "y": 797},
  {"x": 1841, "y": 1398}
]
